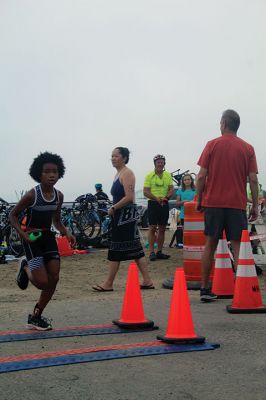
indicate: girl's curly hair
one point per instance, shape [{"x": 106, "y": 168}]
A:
[{"x": 44, "y": 158}]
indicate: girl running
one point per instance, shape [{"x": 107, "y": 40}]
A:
[{"x": 43, "y": 207}]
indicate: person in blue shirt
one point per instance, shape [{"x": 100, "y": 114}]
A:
[{"x": 184, "y": 194}]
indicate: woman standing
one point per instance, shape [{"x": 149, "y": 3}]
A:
[
  {"x": 125, "y": 241},
  {"x": 183, "y": 195}
]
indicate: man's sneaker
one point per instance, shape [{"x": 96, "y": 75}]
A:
[
  {"x": 179, "y": 245},
  {"x": 39, "y": 323},
  {"x": 162, "y": 256},
  {"x": 22, "y": 278},
  {"x": 206, "y": 296},
  {"x": 152, "y": 257}
]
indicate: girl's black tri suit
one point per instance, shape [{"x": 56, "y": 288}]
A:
[{"x": 39, "y": 217}]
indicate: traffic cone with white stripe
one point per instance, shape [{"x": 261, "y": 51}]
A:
[
  {"x": 247, "y": 296},
  {"x": 223, "y": 278}
]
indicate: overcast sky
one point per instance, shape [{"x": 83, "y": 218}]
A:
[{"x": 81, "y": 77}]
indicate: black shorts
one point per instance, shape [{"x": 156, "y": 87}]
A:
[
  {"x": 232, "y": 220},
  {"x": 157, "y": 214},
  {"x": 41, "y": 251}
]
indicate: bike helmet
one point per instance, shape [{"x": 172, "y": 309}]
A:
[
  {"x": 158, "y": 157},
  {"x": 98, "y": 186}
]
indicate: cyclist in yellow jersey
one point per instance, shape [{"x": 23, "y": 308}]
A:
[{"x": 158, "y": 188}]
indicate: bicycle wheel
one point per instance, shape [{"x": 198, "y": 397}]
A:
[
  {"x": 75, "y": 228},
  {"x": 90, "y": 224},
  {"x": 83, "y": 241},
  {"x": 14, "y": 242}
]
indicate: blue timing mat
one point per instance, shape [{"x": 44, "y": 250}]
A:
[
  {"x": 67, "y": 332},
  {"x": 98, "y": 354}
]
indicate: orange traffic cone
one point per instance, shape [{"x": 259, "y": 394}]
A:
[
  {"x": 64, "y": 247},
  {"x": 132, "y": 311},
  {"x": 223, "y": 278},
  {"x": 247, "y": 297},
  {"x": 180, "y": 327}
]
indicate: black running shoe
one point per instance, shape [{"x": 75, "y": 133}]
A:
[
  {"x": 22, "y": 278},
  {"x": 206, "y": 296},
  {"x": 162, "y": 256},
  {"x": 152, "y": 257},
  {"x": 39, "y": 323}
]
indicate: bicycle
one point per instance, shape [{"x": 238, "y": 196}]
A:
[
  {"x": 8, "y": 233},
  {"x": 177, "y": 176},
  {"x": 85, "y": 210},
  {"x": 103, "y": 207},
  {"x": 103, "y": 239},
  {"x": 70, "y": 222}
]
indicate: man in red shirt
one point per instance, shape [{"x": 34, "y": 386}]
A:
[{"x": 225, "y": 164}]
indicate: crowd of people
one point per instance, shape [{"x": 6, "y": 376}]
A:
[{"x": 224, "y": 209}]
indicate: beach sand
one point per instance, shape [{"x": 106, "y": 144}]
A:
[{"x": 78, "y": 274}]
